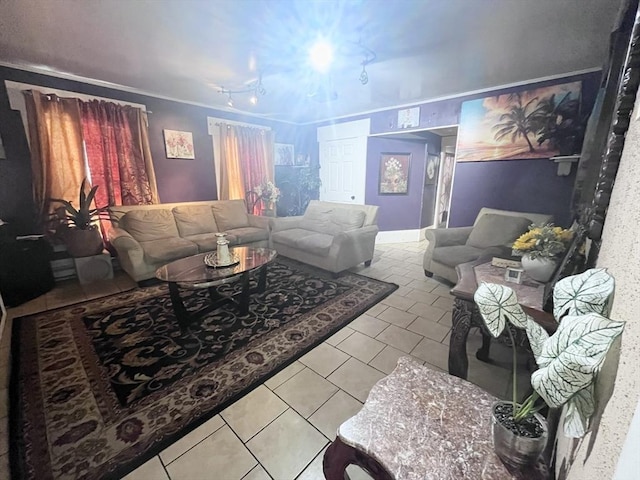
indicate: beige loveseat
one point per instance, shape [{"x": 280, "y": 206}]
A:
[
  {"x": 492, "y": 233},
  {"x": 149, "y": 236},
  {"x": 331, "y": 236}
]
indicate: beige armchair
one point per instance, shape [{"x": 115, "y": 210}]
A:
[{"x": 492, "y": 233}]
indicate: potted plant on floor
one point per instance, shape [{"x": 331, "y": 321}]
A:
[
  {"x": 77, "y": 226},
  {"x": 568, "y": 361}
]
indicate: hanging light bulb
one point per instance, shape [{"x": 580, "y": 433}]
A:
[
  {"x": 230, "y": 100},
  {"x": 364, "y": 76},
  {"x": 253, "y": 99}
]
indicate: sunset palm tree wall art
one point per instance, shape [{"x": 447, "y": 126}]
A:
[{"x": 538, "y": 123}]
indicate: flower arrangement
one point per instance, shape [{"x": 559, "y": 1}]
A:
[
  {"x": 267, "y": 191},
  {"x": 544, "y": 241}
]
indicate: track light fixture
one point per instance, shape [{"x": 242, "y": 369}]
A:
[{"x": 256, "y": 89}]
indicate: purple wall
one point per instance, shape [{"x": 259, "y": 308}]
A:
[
  {"x": 178, "y": 180},
  {"x": 397, "y": 212}
]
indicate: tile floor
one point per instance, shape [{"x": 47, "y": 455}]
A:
[{"x": 280, "y": 430}]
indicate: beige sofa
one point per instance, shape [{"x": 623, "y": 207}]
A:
[
  {"x": 149, "y": 236},
  {"x": 492, "y": 233},
  {"x": 331, "y": 236}
]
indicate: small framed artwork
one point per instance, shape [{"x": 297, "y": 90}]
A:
[
  {"x": 179, "y": 144},
  {"x": 283, "y": 154},
  {"x": 409, "y": 117},
  {"x": 394, "y": 173},
  {"x": 431, "y": 174}
]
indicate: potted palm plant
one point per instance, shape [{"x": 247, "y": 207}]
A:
[
  {"x": 79, "y": 230},
  {"x": 568, "y": 361}
]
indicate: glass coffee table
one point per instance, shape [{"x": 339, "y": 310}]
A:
[{"x": 193, "y": 273}]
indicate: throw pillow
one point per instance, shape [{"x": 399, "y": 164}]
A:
[{"x": 493, "y": 229}]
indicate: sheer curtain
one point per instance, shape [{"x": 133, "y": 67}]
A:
[
  {"x": 55, "y": 140},
  {"x": 246, "y": 160}
]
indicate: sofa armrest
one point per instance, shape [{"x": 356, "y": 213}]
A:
[
  {"x": 446, "y": 237},
  {"x": 130, "y": 252},
  {"x": 353, "y": 246},
  {"x": 284, "y": 223},
  {"x": 259, "y": 222}
]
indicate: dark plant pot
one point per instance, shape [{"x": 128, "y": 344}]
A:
[
  {"x": 83, "y": 243},
  {"x": 515, "y": 450}
]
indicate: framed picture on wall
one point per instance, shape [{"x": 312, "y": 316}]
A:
[
  {"x": 283, "y": 154},
  {"x": 179, "y": 144},
  {"x": 394, "y": 173},
  {"x": 431, "y": 173}
]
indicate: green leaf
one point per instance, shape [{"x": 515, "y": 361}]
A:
[
  {"x": 579, "y": 410},
  {"x": 537, "y": 337},
  {"x": 572, "y": 356},
  {"x": 590, "y": 291},
  {"x": 497, "y": 302}
]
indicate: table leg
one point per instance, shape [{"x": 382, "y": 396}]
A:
[
  {"x": 483, "y": 352},
  {"x": 179, "y": 309},
  {"x": 340, "y": 455},
  {"x": 461, "y": 319},
  {"x": 243, "y": 302},
  {"x": 262, "y": 279}
]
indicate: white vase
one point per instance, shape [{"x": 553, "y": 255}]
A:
[{"x": 540, "y": 268}]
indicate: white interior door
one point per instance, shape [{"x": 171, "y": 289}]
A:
[{"x": 343, "y": 161}]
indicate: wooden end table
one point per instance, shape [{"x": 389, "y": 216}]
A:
[
  {"x": 465, "y": 313},
  {"x": 193, "y": 273},
  {"x": 417, "y": 424}
]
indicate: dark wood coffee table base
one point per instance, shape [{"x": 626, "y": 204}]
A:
[{"x": 240, "y": 300}]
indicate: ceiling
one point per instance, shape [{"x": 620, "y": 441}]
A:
[{"x": 187, "y": 49}]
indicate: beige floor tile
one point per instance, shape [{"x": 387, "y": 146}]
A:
[
  {"x": 442, "y": 290},
  {"x": 403, "y": 291},
  {"x": 445, "y": 303},
  {"x": 4, "y": 435},
  {"x": 339, "y": 336},
  {"x": 494, "y": 380},
  {"x": 398, "y": 279},
  {"x": 399, "y": 338},
  {"x": 334, "y": 412},
  {"x": 284, "y": 375},
  {"x": 151, "y": 470},
  {"x": 446, "y": 319},
  {"x": 253, "y": 412},
  {"x": 4, "y": 467},
  {"x": 433, "y": 353},
  {"x": 368, "y": 325},
  {"x": 422, "y": 296},
  {"x": 387, "y": 359},
  {"x": 191, "y": 439},
  {"x": 38, "y": 304},
  {"x": 222, "y": 454},
  {"x": 399, "y": 302},
  {"x": 428, "y": 311},
  {"x": 257, "y": 473},
  {"x": 430, "y": 329},
  {"x": 397, "y": 317},
  {"x": 361, "y": 346},
  {"x": 376, "y": 310},
  {"x": 314, "y": 470},
  {"x": 306, "y": 392},
  {"x": 286, "y": 446},
  {"x": 100, "y": 288},
  {"x": 356, "y": 378},
  {"x": 424, "y": 285},
  {"x": 324, "y": 359}
]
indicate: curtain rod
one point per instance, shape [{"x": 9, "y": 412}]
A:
[{"x": 48, "y": 95}]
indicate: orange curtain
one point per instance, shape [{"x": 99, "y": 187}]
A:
[
  {"x": 247, "y": 160},
  {"x": 55, "y": 140}
]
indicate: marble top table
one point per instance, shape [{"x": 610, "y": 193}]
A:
[{"x": 420, "y": 424}]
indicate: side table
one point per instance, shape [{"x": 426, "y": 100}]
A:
[
  {"x": 465, "y": 313},
  {"x": 418, "y": 423}
]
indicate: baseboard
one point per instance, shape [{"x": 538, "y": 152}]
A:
[{"x": 400, "y": 236}]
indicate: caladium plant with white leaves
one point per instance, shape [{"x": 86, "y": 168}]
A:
[{"x": 568, "y": 360}]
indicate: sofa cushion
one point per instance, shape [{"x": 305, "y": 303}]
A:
[
  {"x": 290, "y": 237},
  {"x": 457, "y": 254},
  {"x": 206, "y": 242},
  {"x": 317, "y": 243},
  {"x": 168, "y": 249},
  {"x": 249, "y": 234},
  {"x": 344, "y": 219},
  {"x": 230, "y": 214},
  {"x": 194, "y": 220},
  {"x": 493, "y": 229},
  {"x": 149, "y": 225},
  {"x": 317, "y": 218},
  {"x": 331, "y": 220}
]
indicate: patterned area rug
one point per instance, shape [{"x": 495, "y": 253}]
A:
[{"x": 100, "y": 387}]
